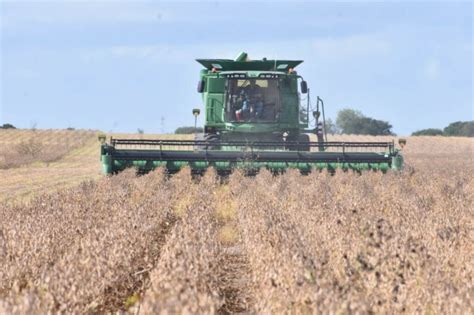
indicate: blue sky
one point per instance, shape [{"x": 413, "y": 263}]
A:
[{"x": 119, "y": 66}]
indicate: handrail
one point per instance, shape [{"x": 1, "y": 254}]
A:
[{"x": 390, "y": 146}]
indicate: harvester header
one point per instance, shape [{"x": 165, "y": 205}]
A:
[{"x": 257, "y": 115}]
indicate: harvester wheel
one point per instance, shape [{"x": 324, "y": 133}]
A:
[
  {"x": 303, "y": 140},
  {"x": 301, "y": 145},
  {"x": 211, "y": 139}
]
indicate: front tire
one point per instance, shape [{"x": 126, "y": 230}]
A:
[
  {"x": 211, "y": 140},
  {"x": 300, "y": 142}
]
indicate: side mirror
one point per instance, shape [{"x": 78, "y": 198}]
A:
[
  {"x": 304, "y": 87},
  {"x": 200, "y": 87}
]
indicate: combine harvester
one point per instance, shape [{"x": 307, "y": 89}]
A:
[{"x": 255, "y": 117}]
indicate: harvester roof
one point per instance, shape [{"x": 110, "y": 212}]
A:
[{"x": 243, "y": 63}]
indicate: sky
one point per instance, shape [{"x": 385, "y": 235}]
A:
[{"x": 120, "y": 66}]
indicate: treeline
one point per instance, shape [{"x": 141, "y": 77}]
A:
[
  {"x": 188, "y": 130},
  {"x": 350, "y": 121},
  {"x": 455, "y": 129},
  {"x": 7, "y": 126}
]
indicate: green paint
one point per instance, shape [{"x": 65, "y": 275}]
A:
[
  {"x": 107, "y": 167},
  {"x": 282, "y": 107},
  {"x": 397, "y": 162},
  {"x": 173, "y": 166}
]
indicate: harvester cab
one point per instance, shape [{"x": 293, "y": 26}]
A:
[
  {"x": 254, "y": 100},
  {"x": 257, "y": 115}
]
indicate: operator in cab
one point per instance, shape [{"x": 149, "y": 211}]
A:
[{"x": 250, "y": 102}]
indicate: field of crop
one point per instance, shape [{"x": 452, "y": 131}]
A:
[
  {"x": 35, "y": 161},
  {"x": 348, "y": 243}
]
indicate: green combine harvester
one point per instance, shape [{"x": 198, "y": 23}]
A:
[{"x": 257, "y": 115}]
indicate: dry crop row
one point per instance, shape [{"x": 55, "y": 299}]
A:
[
  {"x": 83, "y": 249},
  {"x": 371, "y": 243},
  {"x": 198, "y": 273},
  {"x": 102, "y": 247},
  {"x": 185, "y": 279}
]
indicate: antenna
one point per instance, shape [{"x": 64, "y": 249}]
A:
[{"x": 196, "y": 113}]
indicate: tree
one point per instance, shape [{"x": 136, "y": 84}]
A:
[
  {"x": 331, "y": 127},
  {"x": 7, "y": 126},
  {"x": 428, "y": 132},
  {"x": 460, "y": 128},
  {"x": 188, "y": 130},
  {"x": 351, "y": 121},
  {"x": 347, "y": 120},
  {"x": 468, "y": 129}
]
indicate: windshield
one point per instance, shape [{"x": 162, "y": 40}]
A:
[{"x": 251, "y": 100}]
